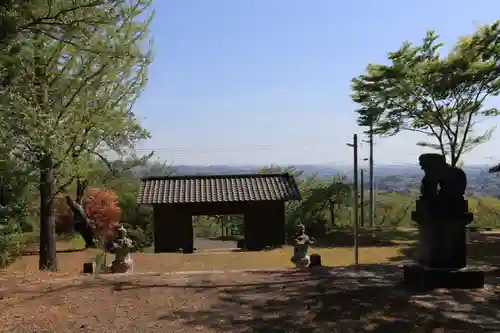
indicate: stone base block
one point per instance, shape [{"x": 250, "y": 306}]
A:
[
  {"x": 315, "y": 260},
  {"x": 301, "y": 262},
  {"x": 422, "y": 278},
  {"x": 88, "y": 268},
  {"x": 121, "y": 267}
]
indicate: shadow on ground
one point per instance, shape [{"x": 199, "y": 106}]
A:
[
  {"x": 322, "y": 303},
  {"x": 368, "y": 299}
]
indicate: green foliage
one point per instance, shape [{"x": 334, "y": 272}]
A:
[
  {"x": 10, "y": 245},
  {"x": 14, "y": 190},
  {"x": 394, "y": 209},
  {"x": 83, "y": 99},
  {"x": 138, "y": 236},
  {"x": 220, "y": 226},
  {"x": 206, "y": 229},
  {"x": 486, "y": 211},
  {"x": 325, "y": 202},
  {"x": 70, "y": 74},
  {"x": 439, "y": 96}
]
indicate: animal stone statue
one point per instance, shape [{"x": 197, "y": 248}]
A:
[
  {"x": 82, "y": 223},
  {"x": 301, "y": 243},
  {"x": 122, "y": 247},
  {"x": 443, "y": 186},
  {"x": 442, "y": 215}
]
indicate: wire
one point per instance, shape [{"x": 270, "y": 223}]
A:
[
  {"x": 249, "y": 146},
  {"x": 410, "y": 155}
]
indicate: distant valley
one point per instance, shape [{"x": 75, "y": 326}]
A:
[{"x": 398, "y": 178}]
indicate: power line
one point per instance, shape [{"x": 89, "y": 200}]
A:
[
  {"x": 250, "y": 148},
  {"x": 241, "y": 147},
  {"x": 295, "y": 144}
]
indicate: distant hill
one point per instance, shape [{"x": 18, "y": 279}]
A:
[
  {"x": 397, "y": 178},
  {"x": 322, "y": 170}
]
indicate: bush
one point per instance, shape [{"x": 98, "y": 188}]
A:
[
  {"x": 26, "y": 226},
  {"x": 100, "y": 206},
  {"x": 10, "y": 246},
  {"x": 138, "y": 236}
]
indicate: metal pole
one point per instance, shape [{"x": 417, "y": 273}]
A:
[
  {"x": 355, "y": 197},
  {"x": 372, "y": 192},
  {"x": 362, "y": 198}
]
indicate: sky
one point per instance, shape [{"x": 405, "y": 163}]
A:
[{"x": 268, "y": 81}]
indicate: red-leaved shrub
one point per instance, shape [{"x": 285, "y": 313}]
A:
[
  {"x": 63, "y": 216},
  {"x": 100, "y": 206}
]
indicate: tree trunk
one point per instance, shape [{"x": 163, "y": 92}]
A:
[
  {"x": 331, "y": 207},
  {"x": 48, "y": 257},
  {"x": 81, "y": 186}
]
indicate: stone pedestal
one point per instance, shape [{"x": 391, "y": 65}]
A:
[
  {"x": 442, "y": 248},
  {"x": 122, "y": 266},
  {"x": 88, "y": 268},
  {"x": 119, "y": 267},
  {"x": 422, "y": 278},
  {"x": 315, "y": 260},
  {"x": 301, "y": 261}
]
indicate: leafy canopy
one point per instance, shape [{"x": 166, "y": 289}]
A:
[
  {"x": 442, "y": 97},
  {"x": 73, "y": 94}
]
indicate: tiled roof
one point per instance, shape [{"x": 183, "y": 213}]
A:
[
  {"x": 218, "y": 188},
  {"x": 496, "y": 168}
]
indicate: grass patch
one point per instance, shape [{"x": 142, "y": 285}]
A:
[
  {"x": 484, "y": 250},
  {"x": 227, "y": 238},
  {"x": 368, "y": 238},
  {"x": 167, "y": 262},
  {"x": 278, "y": 258},
  {"x": 67, "y": 243}
]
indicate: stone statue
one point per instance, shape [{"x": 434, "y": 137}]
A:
[
  {"x": 443, "y": 186},
  {"x": 81, "y": 222},
  {"x": 430, "y": 181},
  {"x": 122, "y": 246},
  {"x": 301, "y": 243},
  {"x": 442, "y": 215}
]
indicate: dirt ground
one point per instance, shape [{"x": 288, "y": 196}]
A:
[
  {"x": 367, "y": 299},
  {"x": 202, "y": 292}
]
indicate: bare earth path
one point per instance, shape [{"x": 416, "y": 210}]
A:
[
  {"x": 211, "y": 244},
  {"x": 329, "y": 300}
]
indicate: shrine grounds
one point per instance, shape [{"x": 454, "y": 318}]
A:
[{"x": 225, "y": 291}]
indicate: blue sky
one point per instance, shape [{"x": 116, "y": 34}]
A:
[{"x": 268, "y": 81}]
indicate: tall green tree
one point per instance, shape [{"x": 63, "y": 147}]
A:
[
  {"x": 442, "y": 97},
  {"x": 70, "y": 100}
]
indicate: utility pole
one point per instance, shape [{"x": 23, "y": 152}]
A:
[
  {"x": 362, "y": 197},
  {"x": 371, "y": 220},
  {"x": 354, "y": 145}
]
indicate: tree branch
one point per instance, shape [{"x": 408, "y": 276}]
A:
[{"x": 469, "y": 120}]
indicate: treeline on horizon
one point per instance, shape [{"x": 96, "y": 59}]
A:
[
  {"x": 386, "y": 178},
  {"x": 326, "y": 205}
]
